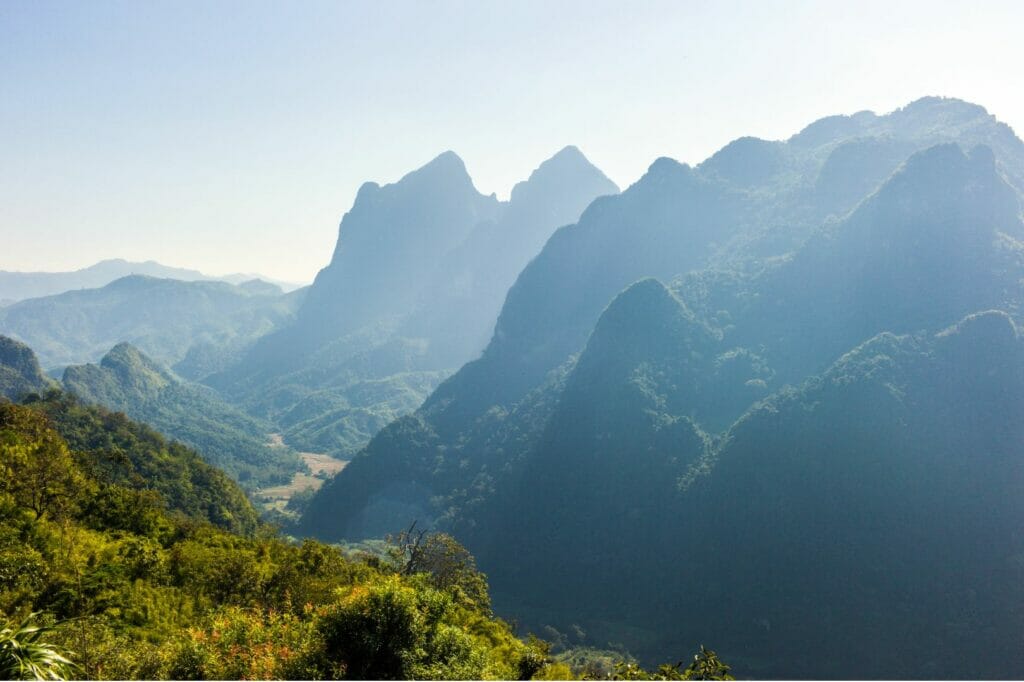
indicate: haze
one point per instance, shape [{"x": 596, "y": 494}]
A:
[{"x": 233, "y": 136}]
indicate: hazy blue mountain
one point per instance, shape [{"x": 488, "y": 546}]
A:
[
  {"x": 936, "y": 242},
  {"x": 163, "y": 317},
  {"x": 125, "y": 380},
  {"x": 458, "y": 307},
  {"x": 20, "y": 373},
  {"x": 940, "y": 239},
  {"x": 17, "y": 286},
  {"x": 677, "y": 219},
  {"x": 412, "y": 292},
  {"x": 389, "y": 243},
  {"x": 590, "y": 439}
]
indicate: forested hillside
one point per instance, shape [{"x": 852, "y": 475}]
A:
[
  {"x": 126, "y": 380},
  {"x": 138, "y": 561}
]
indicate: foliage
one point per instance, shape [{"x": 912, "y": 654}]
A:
[
  {"x": 448, "y": 564},
  {"x": 151, "y": 591},
  {"x": 705, "y": 666},
  {"x": 113, "y": 450},
  {"x": 20, "y": 373},
  {"x": 24, "y": 655}
]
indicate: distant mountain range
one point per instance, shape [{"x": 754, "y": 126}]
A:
[
  {"x": 166, "y": 318},
  {"x": 772, "y": 400},
  {"x": 17, "y": 286},
  {"x": 412, "y": 292}
]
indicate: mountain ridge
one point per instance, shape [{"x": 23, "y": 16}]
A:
[{"x": 16, "y": 286}]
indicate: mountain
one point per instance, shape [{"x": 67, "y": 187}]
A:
[
  {"x": 17, "y": 286},
  {"x": 119, "y": 452},
  {"x": 20, "y": 373},
  {"x": 163, "y": 317},
  {"x": 128, "y": 381},
  {"x": 583, "y": 457},
  {"x": 411, "y": 293},
  {"x": 871, "y": 509}
]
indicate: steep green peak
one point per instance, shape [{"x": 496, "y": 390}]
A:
[
  {"x": 20, "y": 372},
  {"x": 642, "y": 299},
  {"x": 131, "y": 364},
  {"x": 17, "y": 356},
  {"x": 644, "y": 318}
]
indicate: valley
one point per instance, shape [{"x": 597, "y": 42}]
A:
[{"x": 321, "y": 468}]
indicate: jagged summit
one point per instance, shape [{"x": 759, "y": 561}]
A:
[
  {"x": 444, "y": 168},
  {"x": 567, "y": 171}
]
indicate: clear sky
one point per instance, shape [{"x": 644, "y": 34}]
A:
[{"x": 232, "y": 136}]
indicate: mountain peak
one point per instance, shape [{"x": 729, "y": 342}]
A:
[
  {"x": 665, "y": 165},
  {"x": 131, "y": 363},
  {"x": 945, "y": 173},
  {"x": 745, "y": 161},
  {"x": 568, "y": 169},
  {"x": 644, "y": 316},
  {"x": 19, "y": 370},
  {"x": 569, "y": 154},
  {"x": 948, "y": 106},
  {"x": 445, "y": 166}
]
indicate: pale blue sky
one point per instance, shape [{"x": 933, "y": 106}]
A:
[{"x": 232, "y": 136}]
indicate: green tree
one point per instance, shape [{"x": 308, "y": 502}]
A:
[
  {"x": 36, "y": 468},
  {"x": 450, "y": 565}
]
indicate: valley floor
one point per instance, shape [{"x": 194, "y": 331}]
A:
[{"x": 321, "y": 468}]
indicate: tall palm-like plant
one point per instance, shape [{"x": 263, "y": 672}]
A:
[{"x": 23, "y": 656}]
